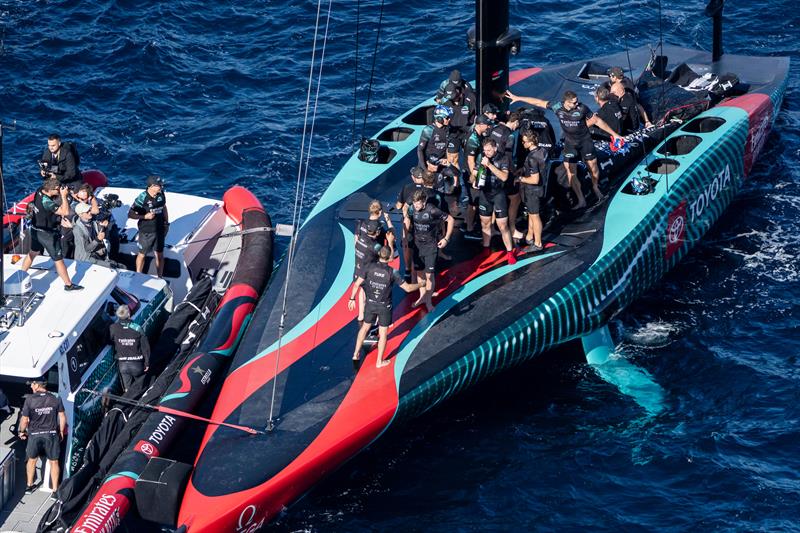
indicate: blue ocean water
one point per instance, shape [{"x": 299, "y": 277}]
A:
[{"x": 213, "y": 94}]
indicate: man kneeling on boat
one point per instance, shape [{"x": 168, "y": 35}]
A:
[{"x": 378, "y": 280}]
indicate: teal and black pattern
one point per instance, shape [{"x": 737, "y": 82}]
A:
[{"x": 633, "y": 260}]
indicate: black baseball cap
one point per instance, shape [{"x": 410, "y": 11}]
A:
[
  {"x": 455, "y": 76},
  {"x": 373, "y": 226},
  {"x": 491, "y": 108},
  {"x": 483, "y": 119},
  {"x": 417, "y": 172},
  {"x": 155, "y": 180},
  {"x": 41, "y": 382}
]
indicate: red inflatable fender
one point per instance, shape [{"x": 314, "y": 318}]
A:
[
  {"x": 237, "y": 200},
  {"x": 95, "y": 178}
]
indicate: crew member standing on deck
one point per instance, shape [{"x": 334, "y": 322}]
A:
[
  {"x": 43, "y": 425},
  {"x": 131, "y": 348},
  {"x": 378, "y": 280},
  {"x": 575, "y": 119},
  {"x": 150, "y": 209}
]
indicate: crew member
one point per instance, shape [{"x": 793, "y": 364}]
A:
[
  {"x": 492, "y": 173},
  {"x": 623, "y": 91},
  {"x": 575, "y": 119},
  {"x": 377, "y": 281},
  {"x": 532, "y": 184},
  {"x": 455, "y": 80},
  {"x": 150, "y": 209},
  {"x": 462, "y": 119},
  {"x": 404, "y": 199},
  {"x": 43, "y": 424},
  {"x": 436, "y": 147},
  {"x": 491, "y": 111},
  {"x": 608, "y": 110},
  {"x": 505, "y": 135},
  {"x": 131, "y": 348},
  {"x": 424, "y": 222},
  {"x": 473, "y": 150},
  {"x": 370, "y": 236},
  {"x": 45, "y": 227},
  {"x": 58, "y": 161}
]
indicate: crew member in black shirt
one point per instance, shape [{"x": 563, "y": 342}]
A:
[
  {"x": 46, "y": 215},
  {"x": 575, "y": 119},
  {"x": 131, "y": 348},
  {"x": 58, "y": 161},
  {"x": 377, "y": 280},
  {"x": 505, "y": 135},
  {"x": 609, "y": 110},
  {"x": 150, "y": 209},
  {"x": 43, "y": 425},
  {"x": 424, "y": 221},
  {"x": 436, "y": 147},
  {"x": 370, "y": 236},
  {"x": 492, "y": 174},
  {"x": 624, "y": 92},
  {"x": 404, "y": 199},
  {"x": 532, "y": 184}
]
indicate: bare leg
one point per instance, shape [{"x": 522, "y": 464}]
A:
[
  {"x": 430, "y": 285},
  {"x": 140, "y": 263},
  {"x": 535, "y": 229},
  {"x": 422, "y": 289},
  {"x": 28, "y": 261},
  {"x": 514, "y": 202},
  {"x": 486, "y": 229},
  {"x": 505, "y": 233},
  {"x": 572, "y": 178},
  {"x": 595, "y": 172},
  {"x": 383, "y": 334},
  {"x": 55, "y": 474},
  {"x": 159, "y": 264},
  {"x": 470, "y": 219},
  {"x": 61, "y": 269},
  {"x": 362, "y": 300},
  {"x": 362, "y": 334},
  {"x": 30, "y": 469}
]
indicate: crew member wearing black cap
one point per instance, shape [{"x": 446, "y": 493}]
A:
[
  {"x": 473, "y": 150},
  {"x": 623, "y": 92},
  {"x": 370, "y": 236},
  {"x": 575, "y": 119},
  {"x": 378, "y": 280},
  {"x": 532, "y": 179},
  {"x": 150, "y": 209},
  {"x": 46, "y": 215},
  {"x": 404, "y": 199},
  {"x": 131, "y": 347},
  {"x": 455, "y": 80},
  {"x": 43, "y": 424}
]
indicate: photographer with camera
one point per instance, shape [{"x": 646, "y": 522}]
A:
[
  {"x": 90, "y": 237},
  {"x": 150, "y": 209},
  {"x": 45, "y": 216},
  {"x": 60, "y": 161}
]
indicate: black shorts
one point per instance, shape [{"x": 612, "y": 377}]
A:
[
  {"x": 511, "y": 186},
  {"x": 44, "y": 443},
  {"x": 497, "y": 204},
  {"x": 150, "y": 242},
  {"x": 575, "y": 149},
  {"x": 425, "y": 258},
  {"x": 49, "y": 241},
  {"x": 382, "y": 312},
  {"x": 532, "y": 195}
]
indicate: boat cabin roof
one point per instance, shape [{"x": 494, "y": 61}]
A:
[{"x": 57, "y": 321}]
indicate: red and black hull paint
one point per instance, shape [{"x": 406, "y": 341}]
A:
[{"x": 115, "y": 497}]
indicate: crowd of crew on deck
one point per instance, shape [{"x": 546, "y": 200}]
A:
[{"x": 493, "y": 162}]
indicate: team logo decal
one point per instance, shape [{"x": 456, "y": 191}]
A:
[{"x": 676, "y": 229}]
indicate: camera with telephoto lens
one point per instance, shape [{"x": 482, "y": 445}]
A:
[{"x": 109, "y": 202}]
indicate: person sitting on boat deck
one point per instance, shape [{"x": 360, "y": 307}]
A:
[
  {"x": 150, "y": 209},
  {"x": 454, "y": 80},
  {"x": 85, "y": 194},
  {"x": 90, "y": 238},
  {"x": 609, "y": 110},
  {"x": 131, "y": 348},
  {"x": 532, "y": 184},
  {"x": 575, "y": 119},
  {"x": 505, "y": 135},
  {"x": 473, "y": 150},
  {"x": 423, "y": 222},
  {"x": 45, "y": 228},
  {"x": 624, "y": 92},
  {"x": 59, "y": 161},
  {"x": 491, "y": 176},
  {"x": 377, "y": 281},
  {"x": 43, "y": 425},
  {"x": 436, "y": 147}
]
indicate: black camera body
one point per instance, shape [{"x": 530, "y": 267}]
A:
[{"x": 109, "y": 202}]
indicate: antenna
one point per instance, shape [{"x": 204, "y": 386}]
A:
[{"x": 3, "y": 127}]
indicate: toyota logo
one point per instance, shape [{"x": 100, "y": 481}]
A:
[
  {"x": 676, "y": 229},
  {"x": 147, "y": 448}
]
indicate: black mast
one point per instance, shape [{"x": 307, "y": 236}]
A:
[
  {"x": 493, "y": 42},
  {"x": 714, "y": 10},
  {"x": 2, "y": 227}
]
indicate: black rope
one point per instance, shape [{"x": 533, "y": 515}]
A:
[
  {"x": 661, "y": 51},
  {"x": 372, "y": 71},
  {"x": 630, "y": 69},
  {"x": 355, "y": 72}
]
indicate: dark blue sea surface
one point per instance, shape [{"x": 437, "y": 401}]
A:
[{"x": 213, "y": 94}]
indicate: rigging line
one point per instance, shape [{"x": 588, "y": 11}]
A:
[
  {"x": 295, "y": 215},
  {"x": 661, "y": 52},
  {"x": 630, "y": 69},
  {"x": 355, "y": 72},
  {"x": 479, "y": 47},
  {"x": 372, "y": 71}
]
